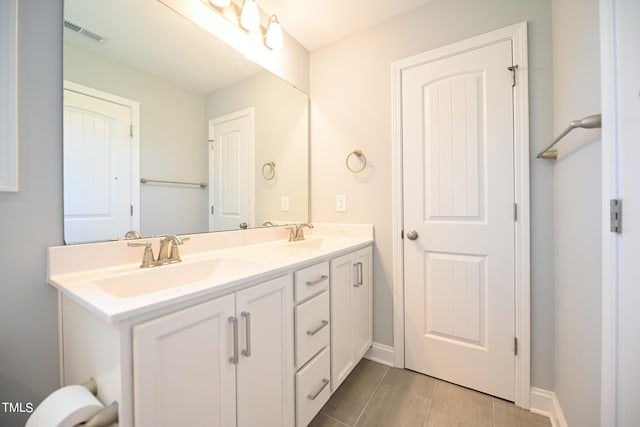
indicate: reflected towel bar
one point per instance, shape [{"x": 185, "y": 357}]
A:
[
  {"x": 589, "y": 122},
  {"x": 147, "y": 181}
]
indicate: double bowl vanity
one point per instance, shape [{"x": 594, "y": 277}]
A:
[{"x": 249, "y": 329}]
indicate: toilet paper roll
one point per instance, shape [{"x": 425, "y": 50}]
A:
[{"x": 65, "y": 407}]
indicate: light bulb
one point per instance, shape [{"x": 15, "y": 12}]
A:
[
  {"x": 250, "y": 17},
  {"x": 274, "y": 34},
  {"x": 220, "y": 3}
]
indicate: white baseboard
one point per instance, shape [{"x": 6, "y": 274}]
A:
[
  {"x": 545, "y": 402},
  {"x": 380, "y": 353}
]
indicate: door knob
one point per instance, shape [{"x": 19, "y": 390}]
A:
[{"x": 412, "y": 234}]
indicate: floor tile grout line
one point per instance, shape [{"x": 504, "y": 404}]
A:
[
  {"x": 337, "y": 420},
  {"x": 364, "y": 408}
]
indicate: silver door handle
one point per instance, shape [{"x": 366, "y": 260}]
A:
[
  {"x": 234, "y": 359},
  {"x": 412, "y": 234},
  {"x": 312, "y": 396},
  {"x": 312, "y": 332},
  {"x": 359, "y": 279},
  {"x": 319, "y": 280},
  {"x": 247, "y": 319}
]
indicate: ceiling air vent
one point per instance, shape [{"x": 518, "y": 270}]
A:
[{"x": 83, "y": 31}]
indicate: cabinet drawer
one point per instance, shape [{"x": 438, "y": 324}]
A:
[
  {"x": 312, "y": 388},
  {"x": 311, "y": 281},
  {"x": 312, "y": 327}
]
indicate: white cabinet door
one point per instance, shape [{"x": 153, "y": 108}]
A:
[
  {"x": 265, "y": 371},
  {"x": 350, "y": 312},
  {"x": 182, "y": 374},
  {"x": 361, "y": 314}
]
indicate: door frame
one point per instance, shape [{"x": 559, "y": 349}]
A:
[
  {"x": 134, "y": 106},
  {"x": 517, "y": 34},
  {"x": 250, "y": 112}
]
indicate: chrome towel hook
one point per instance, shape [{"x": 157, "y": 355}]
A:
[{"x": 361, "y": 157}]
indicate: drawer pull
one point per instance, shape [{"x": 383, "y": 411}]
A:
[
  {"x": 320, "y": 280},
  {"x": 247, "y": 319},
  {"x": 234, "y": 359},
  {"x": 312, "y": 332},
  {"x": 312, "y": 396}
]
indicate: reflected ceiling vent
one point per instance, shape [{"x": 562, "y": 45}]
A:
[{"x": 83, "y": 31}]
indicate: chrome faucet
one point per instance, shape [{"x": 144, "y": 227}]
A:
[
  {"x": 166, "y": 257},
  {"x": 296, "y": 233}
]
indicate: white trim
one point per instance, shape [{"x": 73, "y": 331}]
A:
[
  {"x": 518, "y": 35},
  {"x": 9, "y": 98},
  {"x": 134, "y": 106},
  {"x": 610, "y": 241},
  {"x": 380, "y": 353},
  {"x": 545, "y": 402}
]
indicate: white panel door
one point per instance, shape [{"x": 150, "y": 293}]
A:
[
  {"x": 459, "y": 199},
  {"x": 97, "y": 168},
  {"x": 265, "y": 373},
  {"x": 182, "y": 373},
  {"x": 231, "y": 173}
]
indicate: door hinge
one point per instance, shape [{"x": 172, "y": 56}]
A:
[
  {"x": 131, "y": 210},
  {"x": 515, "y": 345},
  {"x": 212, "y": 144},
  {"x": 616, "y": 215},
  {"x": 515, "y": 211},
  {"x": 402, "y": 234},
  {"x": 211, "y": 209},
  {"x": 131, "y": 131},
  {"x": 513, "y": 74}
]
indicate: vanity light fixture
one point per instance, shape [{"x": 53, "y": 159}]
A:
[
  {"x": 220, "y": 3},
  {"x": 250, "y": 16},
  {"x": 273, "y": 38}
]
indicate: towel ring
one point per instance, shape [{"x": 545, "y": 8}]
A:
[
  {"x": 269, "y": 170},
  {"x": 360, "y": 155}
]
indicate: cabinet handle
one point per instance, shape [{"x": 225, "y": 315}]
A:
[
  {"x": 320, "y": 280},
  {"x": 359, "y": 279},
  {"x": 312, "y": 396},
  {"x": 247, "y": 319},
  {"x": 234, "y": 359},
  {"x": 312, "y": 332}
]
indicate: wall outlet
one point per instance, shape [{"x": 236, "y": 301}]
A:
[
  {"x": 284, "y": 203},
  {"x": 341, "y": 203}
]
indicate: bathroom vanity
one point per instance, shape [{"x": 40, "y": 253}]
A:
[{"x": 248, "y": 330}]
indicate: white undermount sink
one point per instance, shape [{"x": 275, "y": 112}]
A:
[{"x": 147, "y": 280}]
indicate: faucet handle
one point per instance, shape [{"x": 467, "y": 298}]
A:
[
  {"x": 147, "y": 258},
  {"x": 292, "y": 233},
  {"x": 175, "y": 253}
]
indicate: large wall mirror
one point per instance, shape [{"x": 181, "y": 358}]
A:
[{"x": 169, "y": 130}]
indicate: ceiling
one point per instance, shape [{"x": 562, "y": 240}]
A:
[{"x": 316, "y": 23}]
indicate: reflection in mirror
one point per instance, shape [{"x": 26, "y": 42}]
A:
[{"x": 160, "y": 99}]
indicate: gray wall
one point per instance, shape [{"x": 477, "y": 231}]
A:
[
  {"x": 31, "y": 220},
  {"x": 577, "y": 212},
  {"x": 351, "y": 108}
]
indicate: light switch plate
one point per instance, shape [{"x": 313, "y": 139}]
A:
[
  {"x": 284, "y": 203},
  {"x": 341, "y": 203}
]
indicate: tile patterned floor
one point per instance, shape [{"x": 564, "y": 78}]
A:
[{"x": 375, "y": 395}]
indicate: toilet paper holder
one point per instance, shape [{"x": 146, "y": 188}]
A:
[{"x": 105, "y": 417}]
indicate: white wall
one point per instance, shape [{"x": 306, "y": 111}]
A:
[
  {"x": 31, "y": 220},
  {"x": 351, "y": 108},
  {"x": 173, "y": 140},
  {"x": 577, "y": 211}
]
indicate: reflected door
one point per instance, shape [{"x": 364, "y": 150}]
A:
[
  {"x": 97, "y": 168},
  {"x": 459, "y": 206},
  {"x": 231, "y": 174}
]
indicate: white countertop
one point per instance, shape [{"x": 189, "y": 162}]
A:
[{"x": 119, "y": 289}]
